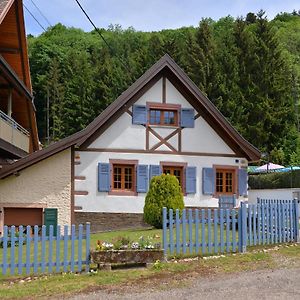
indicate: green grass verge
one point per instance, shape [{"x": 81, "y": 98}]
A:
[{"x": 69, "y": 284}]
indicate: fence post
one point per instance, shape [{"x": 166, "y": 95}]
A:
[
  {"x": 165, "y": 245},
  {"x": 242, "y": 222},
  {"x": 87, "y": 246},
  {"x": 296, "y": 223}
]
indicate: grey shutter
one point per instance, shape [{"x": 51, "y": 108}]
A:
[
  {"x": 208, "y": 181},
  {"x": 142, "y": 178},
  {"x": 103, "y": 177},
  {"x": 187, "y": 117},
  {"x": 243, "y": 178},
  {"x": 155, "y": 170},
  {"x": 139, "y": 114},
  {"x": 190, "y": 176}
]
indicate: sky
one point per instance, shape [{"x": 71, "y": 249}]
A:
[{"x": 145, "y": 15}]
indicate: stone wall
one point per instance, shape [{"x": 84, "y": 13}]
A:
[{"x": 110, "y": 221}]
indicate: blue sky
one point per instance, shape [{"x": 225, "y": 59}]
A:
[{"x": 149, "y": 15}]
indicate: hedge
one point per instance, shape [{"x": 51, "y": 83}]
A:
[{"x": 275, "y": 180}]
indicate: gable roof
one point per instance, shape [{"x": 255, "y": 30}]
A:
[
  {"x": 4, "y": 8},
  {"x": 167, "y": 66}
]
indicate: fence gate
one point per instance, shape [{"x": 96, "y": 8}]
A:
[{"x": 27, "y": 251}]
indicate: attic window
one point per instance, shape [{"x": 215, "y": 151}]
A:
[
  {"x": 163, "y": 117},
  {"x": 163, "y": 114}
]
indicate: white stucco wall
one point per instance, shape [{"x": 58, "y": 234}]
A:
[
  {"x": 44, "y": 184},
  {"x": 124, "y": 135},
  {"x": 277, "y": 194},
  {"x": 102, "y": 202}
]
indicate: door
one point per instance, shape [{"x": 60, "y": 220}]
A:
[{"x": 50, "y": 218}]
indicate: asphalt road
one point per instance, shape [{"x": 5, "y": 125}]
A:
[{"x": 267, "y": 284}]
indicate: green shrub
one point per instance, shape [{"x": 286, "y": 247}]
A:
[
  {"x": 164, "y": 191},
  {"x": 275, "y": 180}
]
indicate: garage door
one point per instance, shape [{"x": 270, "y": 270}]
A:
[{"x": 23, "y": 216}]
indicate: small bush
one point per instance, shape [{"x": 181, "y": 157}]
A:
[{"x": 164, "y": 191}]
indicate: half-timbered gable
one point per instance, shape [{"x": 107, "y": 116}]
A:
[{"x": 161, "y": 124}]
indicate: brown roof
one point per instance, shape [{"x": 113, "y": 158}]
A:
[
  {"x": 4, "y": 8},
  {"x": 167, "y": 65},
  {"x": 217, "y": 120}
]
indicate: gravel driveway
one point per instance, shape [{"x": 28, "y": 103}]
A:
[{"x": 267, "y": 284}]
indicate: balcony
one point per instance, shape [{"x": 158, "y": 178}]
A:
[{"x": 13, "y": 133}]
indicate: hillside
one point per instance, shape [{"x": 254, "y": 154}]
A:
[{"x": 249, "y": 67}]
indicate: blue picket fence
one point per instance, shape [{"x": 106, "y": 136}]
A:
[
  {"x": 27, "y": 252},
  {"x": 209, "y": 231},
  {"x": 204, "y": 231},
  {"x": 272, "y": 222}
]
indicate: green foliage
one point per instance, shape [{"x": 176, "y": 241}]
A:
[
  {"x": 248, "y": 67},
  {"x": 164, "y": 191},
  {"x": 275, "y": 180}
]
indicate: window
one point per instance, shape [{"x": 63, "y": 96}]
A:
[
  {"x": 163, "y": 117},
  {"x": 123, "y": 177},
  {"x": 175, "y": 171},
  {"x": 225, "y": 181}
]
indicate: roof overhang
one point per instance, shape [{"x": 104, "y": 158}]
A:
[{"x": 13, "y": 78}]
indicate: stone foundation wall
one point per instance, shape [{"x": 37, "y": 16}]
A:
[{"x": 110, "y": 221}]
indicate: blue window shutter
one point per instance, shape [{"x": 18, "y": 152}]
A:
[
  {"x": 142, "y": 178},
  {"x": 155, "y": 170},
  {"x": 243, "y": 179},
  {"x": 208, "y": 181},
  {"x": 103, "y": 177},
  {"x": 190, "y": 176},
  {"x": 187, "y": 117},
  {"x": 139, "y": 114}
]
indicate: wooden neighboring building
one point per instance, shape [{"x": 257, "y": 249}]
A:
[{"x": 18, "y": 128}]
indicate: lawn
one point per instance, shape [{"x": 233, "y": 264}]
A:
[
  {"x": 66, "y": 285},
  {"x": 133, "y": 235}
]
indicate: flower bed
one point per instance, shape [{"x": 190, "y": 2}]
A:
[{"x": 122, "y": 250}]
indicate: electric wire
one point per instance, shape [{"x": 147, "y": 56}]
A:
[
  {"x": 34, "y": 17},
  {"x": 41, "y": 13},
  {"x": 99, "y": 32}
]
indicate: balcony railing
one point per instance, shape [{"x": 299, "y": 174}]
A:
[{"x": 13, "y": 133}]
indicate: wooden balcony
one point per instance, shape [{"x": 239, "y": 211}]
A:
[{"x": 13, "y": 133}]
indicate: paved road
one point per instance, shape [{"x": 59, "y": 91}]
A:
[{"x": 268, "y": 284}]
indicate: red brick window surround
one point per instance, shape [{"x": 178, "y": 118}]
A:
[
  {"x": 123, "y": 177},
  {"x": 163, "y": 114}
]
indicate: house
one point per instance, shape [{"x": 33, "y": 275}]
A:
[
  {"x": 18, "y": 129},
  {"x": 161, "y": 124}
]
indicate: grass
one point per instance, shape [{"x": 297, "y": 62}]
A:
[{"x": 70, "y": 284}]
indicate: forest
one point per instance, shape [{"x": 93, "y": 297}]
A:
[{"x": 249, "y": 67}]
